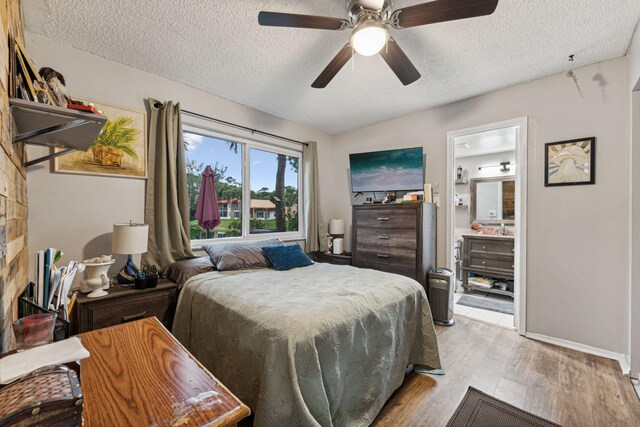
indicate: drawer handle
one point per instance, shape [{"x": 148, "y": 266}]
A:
[
  {"x": 484, "y": 262},
  {"x": 383, "y": 256},
  {"x": 383, "y": 237},
  {"x": 484, "y": 248},
  {"x": 133, "y": 317},
  {"x": 383, "y": 219}
]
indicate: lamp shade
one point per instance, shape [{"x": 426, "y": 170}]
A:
[
  {"x": 336, "y": 226},
  {"x": 130, "y": 239}
]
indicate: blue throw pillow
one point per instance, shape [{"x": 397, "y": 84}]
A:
[{"x": 287, "y": 257}]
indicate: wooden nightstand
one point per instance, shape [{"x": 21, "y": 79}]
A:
[
  {"x": 331, "y": 258},
  {"x": 124, "y": 305}
]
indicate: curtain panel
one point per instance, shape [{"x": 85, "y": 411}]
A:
[
  {"x": 167, "y": 201},
  {"x": 315, "y": 229}
]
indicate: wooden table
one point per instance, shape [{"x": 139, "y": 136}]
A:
[{"x": 138, "y": 374}]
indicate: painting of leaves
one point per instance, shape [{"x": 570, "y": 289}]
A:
[{"x": 120, "y": 149}]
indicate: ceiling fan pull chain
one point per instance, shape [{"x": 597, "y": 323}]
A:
[{"x": 353, "y": 59}]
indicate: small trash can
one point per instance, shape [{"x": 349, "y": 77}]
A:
[{"x": 440, "y": 293}]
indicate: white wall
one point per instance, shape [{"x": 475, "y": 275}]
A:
[
  {"x": 76, "y": 212},
  {"x": 577, "y": 238},
  {"x": 633, "y": 74}
]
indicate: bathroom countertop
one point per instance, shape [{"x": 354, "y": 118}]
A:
[{"x": 493, "y": 236}]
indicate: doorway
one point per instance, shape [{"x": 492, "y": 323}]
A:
[{"x": 486, "y": 222}]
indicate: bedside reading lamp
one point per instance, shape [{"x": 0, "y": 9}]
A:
[
  {"x": 336, "y": 231},
  {"x": 129, "y": 239}
]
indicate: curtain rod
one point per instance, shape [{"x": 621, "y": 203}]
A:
[{"x": 248, "y": 129}]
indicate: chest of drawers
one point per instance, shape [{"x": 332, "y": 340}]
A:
[{"x": 397, "y": 239}]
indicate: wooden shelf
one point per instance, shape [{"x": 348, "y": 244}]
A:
[
  {"x": 489, "y": 290},
  {"x": 51, "y": 126},
  {"x": 462, "y": 206},
  {"x": 461, "y": 182}
]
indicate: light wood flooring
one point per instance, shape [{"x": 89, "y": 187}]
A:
[{"x": 561, "y": 385}]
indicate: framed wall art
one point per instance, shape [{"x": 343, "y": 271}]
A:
[
  {"x": 570, "y": 162},
  {"x": 119, "y": 151}
]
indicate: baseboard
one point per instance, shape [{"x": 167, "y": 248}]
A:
[{"x": 620, "y": 358}]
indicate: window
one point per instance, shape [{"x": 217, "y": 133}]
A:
[
  {"x": 264, "y": 173},
  {"x": 225, "y": 159},
  {"x": 274, "y": 192}
]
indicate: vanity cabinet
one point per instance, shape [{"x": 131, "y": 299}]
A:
[
  {"x": 491, "y": 256},
  {"x": 396, "y": 238}
]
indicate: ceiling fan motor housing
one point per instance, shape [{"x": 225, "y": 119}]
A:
[{"x": 362, "y": 9}]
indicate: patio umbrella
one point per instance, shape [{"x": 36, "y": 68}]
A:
[{"x": 207, "y": 212}]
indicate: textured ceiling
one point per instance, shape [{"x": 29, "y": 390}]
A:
[{"x": 218, "y": 46}]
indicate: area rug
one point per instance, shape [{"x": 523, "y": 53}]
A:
[
  {"x": 478, "y": 409},
  {"x": 486, "y": 304}
]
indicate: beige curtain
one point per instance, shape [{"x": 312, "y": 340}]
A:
[
  {"x": 167, "y": 201},
  {"x": 315, "y": 229}
]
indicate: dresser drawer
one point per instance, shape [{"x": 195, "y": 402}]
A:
[
  {"x": 122, "y": 312},
  {"x": 392, "y": 261},
  {"x": 404, "y": 238},
  {"x": 496, "y": 264},
  {"x": 490, "y": 246},
  {"x": 386, "y": 218}
]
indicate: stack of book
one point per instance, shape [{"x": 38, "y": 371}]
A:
[{"x": 53, "y": 283}]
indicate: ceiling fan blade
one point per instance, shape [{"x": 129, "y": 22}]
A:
[
  {"x": 334, "y": 67},
  {"x": 442, "y": 11},
  {"x": 399, "y": 62},
  {"x": 275, "y": 19}
]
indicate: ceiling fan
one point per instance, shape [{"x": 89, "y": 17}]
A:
[{"x": 370, "y": 21}]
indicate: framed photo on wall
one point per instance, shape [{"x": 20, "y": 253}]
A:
[
  {"x": 119, "y": 151},
  {"x": 570, "y": 162}
]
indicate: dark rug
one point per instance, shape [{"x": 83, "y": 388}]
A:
[
  {"x": 505, "y": 307},
  {"x": 481, "y": 410}
]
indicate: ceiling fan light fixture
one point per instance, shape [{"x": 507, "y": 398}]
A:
[{"x": 369, "y": 37}]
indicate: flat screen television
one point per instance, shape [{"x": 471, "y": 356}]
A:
[{"x": 390, "y": 170}]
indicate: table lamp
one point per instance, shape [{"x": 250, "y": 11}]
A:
[
  {"x": 129, "y": 239},
  {"x": 336, "y": 231}
]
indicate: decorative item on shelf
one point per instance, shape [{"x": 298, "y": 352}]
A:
[
  {"x": 570, "y": 162},
  {"x": 459, "y": 173},
  {"x": 336, "y": 230},
  {"x": 25, "y": 81},
  {"x": 129, "y": 239},
  {"x": 97, "y": 279},
  {"x": 57, "y": 85},
  {"x": 147, "y": 278}
]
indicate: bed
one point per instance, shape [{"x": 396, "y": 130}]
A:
[{"x": 319, "y": 345}]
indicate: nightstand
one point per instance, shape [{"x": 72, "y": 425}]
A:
[
  {"x": 125, "y": 304},
  {"x": 331, "y": 258}
]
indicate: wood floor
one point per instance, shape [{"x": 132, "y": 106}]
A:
[{"x": 561, "y": 385}]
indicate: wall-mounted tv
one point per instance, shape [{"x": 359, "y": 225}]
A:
[{"x": 391, "y": 170}]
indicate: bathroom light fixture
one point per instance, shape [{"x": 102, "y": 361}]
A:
[
  {"x": 504, "y": 166},
  {"x": 369, "y": 37}
]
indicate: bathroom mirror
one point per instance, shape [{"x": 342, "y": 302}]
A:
[{"x": 493, "y": 200}]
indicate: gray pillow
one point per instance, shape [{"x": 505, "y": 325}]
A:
[
  {"x": 181, "y": 271},
  {"x": 240, "y": 255}
]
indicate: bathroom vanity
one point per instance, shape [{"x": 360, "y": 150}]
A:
[{"x": 488, "y": 255}]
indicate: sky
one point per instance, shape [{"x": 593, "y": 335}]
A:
[{"x": 207, "y": 150}]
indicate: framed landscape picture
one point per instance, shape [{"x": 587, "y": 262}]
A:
[
  {"x": 570, "y": 162},
  {"x": 119, "y": 151}
]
